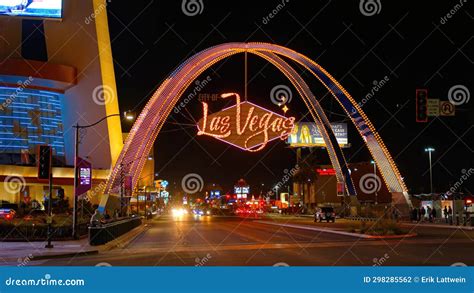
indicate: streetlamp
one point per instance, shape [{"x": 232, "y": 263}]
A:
[
  {"x": 129, "y": 115},
  {"x": 375, "y": 177},
  {"x": 276, "y": 195},
  {"x": 76, "y": 154},
  {"x": 430, "y": 150}
]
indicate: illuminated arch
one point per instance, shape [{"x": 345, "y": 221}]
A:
[{"x": 151, "y": 120}]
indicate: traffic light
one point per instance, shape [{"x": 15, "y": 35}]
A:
[
  {"x": 421, "y": 105},
  {"x": 44, "y": 162}
]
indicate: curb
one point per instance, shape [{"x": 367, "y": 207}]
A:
[
  {"x": 67, "y": 254},
  {"x": 365, "y": 236},
  {"x": 392, "y": 236}
]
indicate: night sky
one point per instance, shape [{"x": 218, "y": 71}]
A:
[{"x": 406, "y": 43}]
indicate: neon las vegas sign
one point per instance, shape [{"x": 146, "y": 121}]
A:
[{"x": 245, "y": 125}]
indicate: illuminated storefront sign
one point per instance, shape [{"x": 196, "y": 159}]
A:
[
  {"x": 215, "y": 194},
  {"x": 307, "y": 134},
  {"x": 84, "y": 176},
  {"x": 241, "y": 190},
  {"x": 326, "y": 172},
  {"x": 245, "y": 125}
]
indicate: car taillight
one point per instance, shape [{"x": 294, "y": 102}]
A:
[{"x": 8, "y": 217}]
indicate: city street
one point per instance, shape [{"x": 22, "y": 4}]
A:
[{"x": 217, "y": 241}]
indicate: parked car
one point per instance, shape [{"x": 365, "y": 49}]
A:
[
  {"x": 325, "y": 213},
  {"x": 7, "y": 214}
]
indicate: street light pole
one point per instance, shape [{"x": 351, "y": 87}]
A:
[
  {"x": 128, "y": 116},
  {"x": 74, "y": 207},
  {"x": 276, "y": 195},
  {"x": 375, "y": 176},
  {"x": 430, "y": 150}
]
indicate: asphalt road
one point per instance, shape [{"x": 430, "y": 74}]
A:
[{"x": 225, "y": 241}]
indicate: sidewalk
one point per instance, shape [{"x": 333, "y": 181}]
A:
[
  {"x": 21, "y": 253},
  {"x": 436, "y": 225},
  {"x": 342, "y": 221},
  {"x": 28, "y": 251}
]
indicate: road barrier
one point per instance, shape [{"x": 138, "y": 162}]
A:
[{"x": 103, "y": 233}]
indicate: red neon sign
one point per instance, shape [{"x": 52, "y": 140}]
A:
[
  {"x": 326, "y": 172},
  {"x": 245, "y": 125}
]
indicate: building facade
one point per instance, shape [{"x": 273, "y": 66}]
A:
[{"x": 53, "y": 75}]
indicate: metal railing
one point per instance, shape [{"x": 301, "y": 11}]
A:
[{"x": 102, "y": 233}]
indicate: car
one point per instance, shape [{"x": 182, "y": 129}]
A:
[
  {"x": 202, "y": 212},
  {"x": 325, "y": 213},
  {"x": 7, "y": 214}
]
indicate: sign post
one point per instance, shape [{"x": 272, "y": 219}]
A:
[
  {"x": 82, "y": 183},
  {"x": 45, "y": 173}
]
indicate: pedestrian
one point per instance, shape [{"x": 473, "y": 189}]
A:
[
  {"x": 433, "y": 214},
  {"x": 95, "y": 219},
  {"x": 446, "y": 215},
  {"x": 395, "y": 214},
  {"x": 450, "y": 215},
  {"x": 429, "y": 212},
  {"x": 422, "y": 213},
  {"x": 116, "y": 214}
]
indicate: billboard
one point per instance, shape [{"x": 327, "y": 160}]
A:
[
  {"x": 306, "y": 134},
  {"x": 32, "y": 8}
]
